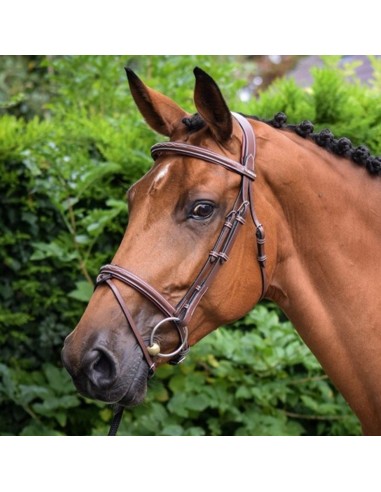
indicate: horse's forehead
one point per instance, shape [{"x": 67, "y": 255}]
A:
[
  {"x": 152, "y": 179},
  {"x": 182, "y": 173},
  {"x": 161, "y": 173},
  {"x": 177, "y": 173}
]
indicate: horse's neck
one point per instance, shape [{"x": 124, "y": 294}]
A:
[{"x": 327, "y": 276}]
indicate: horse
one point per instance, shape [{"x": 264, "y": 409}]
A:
[{"x": 237, "y": 209}]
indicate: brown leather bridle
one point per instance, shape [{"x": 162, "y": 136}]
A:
[{"x": 182, "y": 313}]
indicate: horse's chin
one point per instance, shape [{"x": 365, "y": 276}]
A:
[{"x": 135, "y": 394}]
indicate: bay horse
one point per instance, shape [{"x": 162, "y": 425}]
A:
[{"x": 195, "y": 255}]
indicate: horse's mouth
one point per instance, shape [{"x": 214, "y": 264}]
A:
[
  {"x": 131, "y": 397},
  {"x": 136, "y": 391}
]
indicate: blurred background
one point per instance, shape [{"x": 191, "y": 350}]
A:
[{"x": 25, "y": 83}]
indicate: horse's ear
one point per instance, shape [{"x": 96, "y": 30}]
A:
[
  {"x": 160, "y": 112},
  {"x": 212, "y": 106}
]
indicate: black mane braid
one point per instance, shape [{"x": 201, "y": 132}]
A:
[{"x": 340, "y": 146}]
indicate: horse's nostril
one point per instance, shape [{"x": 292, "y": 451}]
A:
[{"x": 101, "y": 367}]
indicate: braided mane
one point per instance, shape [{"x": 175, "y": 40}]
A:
[{"x": 340, "y": 146}]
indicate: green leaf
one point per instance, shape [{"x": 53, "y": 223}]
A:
[
  {"x": 39, "y": 429},
  {"x": 58, "y": 378},
  {"x": 98, "y": 171},
  {"x": 172, "y": 430},
  {"x": 177, "y": 405},
  {"x": 197, "y": 402},
  {"x": 310, "y": 402},
  {"x": 28, "y": 393},
  {"x": 82, "y": 292}
]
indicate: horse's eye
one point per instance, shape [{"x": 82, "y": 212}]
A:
[{"x": 202, "y": 210}]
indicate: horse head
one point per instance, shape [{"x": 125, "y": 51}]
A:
[{"x": 170, "y": 283}]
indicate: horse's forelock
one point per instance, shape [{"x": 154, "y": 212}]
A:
[{"x": 194, "y": 122}]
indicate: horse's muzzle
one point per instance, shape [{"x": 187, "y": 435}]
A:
[{"x": 101, "y": 376}]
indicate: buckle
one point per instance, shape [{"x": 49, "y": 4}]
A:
[
  {"x": 180, "y": 357},
  {"x": 102, "y": 277}
]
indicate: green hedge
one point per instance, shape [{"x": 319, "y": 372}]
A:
[{"x": 65, "y": 167}]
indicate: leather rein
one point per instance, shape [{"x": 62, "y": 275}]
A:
[{"x": 182, "y": 313}]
